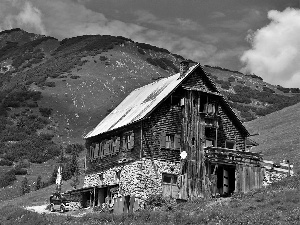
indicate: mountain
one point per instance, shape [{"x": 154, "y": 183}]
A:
[
  {"x": 279, "y": 136},
  {"x": 57, "y": 91}
]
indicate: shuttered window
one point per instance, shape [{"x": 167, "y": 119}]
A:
[
  {"x": 117, "y": 145},
  {"x": 101, "y": 149},
  {"x": 162, "y": 140},
  {"x": 96, "y": 154},
  {"x": 169, "y": 141},
  {"x": 128, "y": 141},
  {"x": 92, "y": 152},
  {"x": 106, "y": 148}
]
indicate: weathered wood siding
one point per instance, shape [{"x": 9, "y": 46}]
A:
[
  {"x": 248, "y": 177},
  {"x": 228, "y": 131},
  {"x": 110, "y": 161},
  {"x": 166, "y": 119}
]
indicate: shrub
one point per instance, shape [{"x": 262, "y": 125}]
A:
[
  {"x": 5, "y": 162},
  {"x": 74, "y": 148},
  {"x": 74, "y": 77},
  {"x": 295, "y": 90},
  {"x": 141, "y": 51},
  {"x": 103, "y": 58},
  {"x": 46, "y": 136},
  {"x": 49, "y": 84},
  {"x": 19, "y": 170},
  {"x": 46, "y": 112},
  {"x": 38, "y": 183},
  {"x": 32, "y": 104},
  {"x": 254, "y": 76},
  {"x": 231, "y": 79},
  {"x": 7, "y": 178},
  {"x": 151, "y": 47},
  {"x": 269, "y": 90},
  {"x": 25, "y": 188}
]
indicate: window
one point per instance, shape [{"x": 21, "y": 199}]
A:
[
  {"x": 128, "y": 141},
  {"x": 116, "y": 145},
  {"x": 169, "y": 178},
  {"x": 203, "y": 103},
  {"x": 92, "y": 151},
  {"x": 230, "y": 144},
  {"x": 175, "y": 100},
  {"x": 209, "y": 143},
  {"x": 169, "y": 141},
  {"x": 169, "y": 185}
]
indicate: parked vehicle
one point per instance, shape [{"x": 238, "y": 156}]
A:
[{"x": 59, "y": 202}]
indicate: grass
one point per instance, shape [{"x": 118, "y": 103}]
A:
[
  {"x": 278, "y": 137},
  {"x": 276, "y": 204}
]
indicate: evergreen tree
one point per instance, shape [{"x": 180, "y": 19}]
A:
[
  {"x": 25, "y": 188},
  {"x": 75, "y": 179},
  {"x": 38, "y": 184},
  {"x": 53, "y": 176}
]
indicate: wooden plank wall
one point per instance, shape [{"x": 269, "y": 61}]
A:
[
  {"x": 248, "y": 177},
  {"x": 192, "y": 130}
]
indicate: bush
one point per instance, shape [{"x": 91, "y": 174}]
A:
[
  {"x": 38, "y": 183},
  {"x": 141, "y": 51},
  {"x": 46, "y": 112},
  {"x": 254, "y": 76},
  {"x": 25, "y": 188},
  {"x": 19, "y": 170},
  {"x": 151, "y": 47},
  {"x": 74, "y": 77},
  {"x": 5, "y": 162},
  {"x": 231, "y": 79},
  {"x": 74, "y": 148},
  {"x": 103, "y": 58},
  {"x": 269, "y": 90},
  {"x": 49, "y": 84},
  {"x": 7, "y": 178}
]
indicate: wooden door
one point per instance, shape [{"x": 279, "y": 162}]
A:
[
  {"x": 169, "y": 186},
  {"x": 225, "y": 182}
]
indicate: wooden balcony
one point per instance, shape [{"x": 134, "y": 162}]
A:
[{"x": 231, "y": 156}]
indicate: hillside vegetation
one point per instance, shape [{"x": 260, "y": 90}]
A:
[{"x": 278, "y": 137}]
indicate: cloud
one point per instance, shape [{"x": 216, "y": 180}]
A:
[
  {"x": 275, "y": 53},
  {"x": 176, "y": 24},
  {"x": 69, "y": 18},
  {"x": 22, "y": 14},
  {"x": 217, "y": 15}
]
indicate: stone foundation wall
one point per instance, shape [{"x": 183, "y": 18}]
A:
[
  {"x": 273, "y": 176},
  {"x": 141, "y": 178}
]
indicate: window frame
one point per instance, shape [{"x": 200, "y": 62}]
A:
[
  {"x": 230, "y": 142},
  {"x": 173, "y": 178}
]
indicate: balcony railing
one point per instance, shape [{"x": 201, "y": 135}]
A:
[{"x": 225, "y": 155}]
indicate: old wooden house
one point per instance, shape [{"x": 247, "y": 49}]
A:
[{"x": 178, "y": 137}]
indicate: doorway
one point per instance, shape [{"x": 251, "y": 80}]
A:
[{"x": 225, "y": 179}]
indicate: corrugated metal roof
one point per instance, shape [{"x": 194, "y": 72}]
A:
[{"x": 139, "y": 103}]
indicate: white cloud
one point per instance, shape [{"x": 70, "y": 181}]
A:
[
  {"x": 275, "y": 53},
  {"x": 31, "y": 16},
  {"x": 23, "y": 14}
]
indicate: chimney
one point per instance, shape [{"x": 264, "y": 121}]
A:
[{"x": 183, "y": 68}]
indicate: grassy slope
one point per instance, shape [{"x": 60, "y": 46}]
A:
[{"x": 278, "y": 134}]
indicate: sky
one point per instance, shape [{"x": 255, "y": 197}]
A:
[{"x": 252, "y": 36}]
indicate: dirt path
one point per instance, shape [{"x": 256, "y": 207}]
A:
[{"x": 42, "y": 209}]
